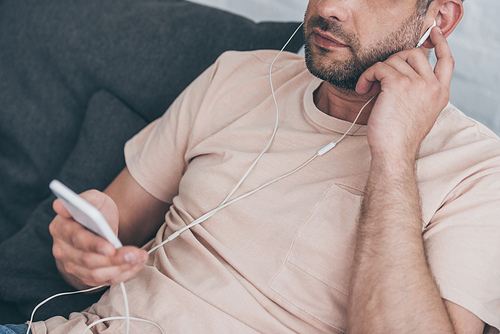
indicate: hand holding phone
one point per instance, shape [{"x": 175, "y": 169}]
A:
[{"x": 84, "y": 212}]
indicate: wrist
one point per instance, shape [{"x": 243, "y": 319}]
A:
[{"x": 393, "y": 164}]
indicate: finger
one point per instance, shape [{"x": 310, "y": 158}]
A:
[
  {"x": 103, "y": 276},
  {"x": 81, "y": 253},
  {"x": 74, "y": 234},
  {"x": 127, "y": 255},
  {"x": 93, "y": 269},
  {"x": 445, "y": 62},
  {"x": 412, "y": 63},
  {"x": 376, "y": 73},
  {"x": 105, "y": 205},
  {"x": 96, "y": 198},
  {"x": 120, "y": 269},
  {"x": 131, "y": 255},
  {"x": 365, "y": 86},
  {"x": 125, "y": 275},
  {"x": 60, "y": 209},
  {"x": 121, "y": 274},
  {"x": 367, "y": 80},
  {"x": 375, "y": 89}
]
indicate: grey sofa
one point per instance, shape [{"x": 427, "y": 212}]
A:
[{"x": 77, "y": 79}]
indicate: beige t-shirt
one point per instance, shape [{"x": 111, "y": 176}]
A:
[{"x": 279, "y": 260}]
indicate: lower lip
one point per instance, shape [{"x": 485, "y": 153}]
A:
[{"x": 326, "y": 43}]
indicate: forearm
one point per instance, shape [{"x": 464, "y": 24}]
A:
[
  {"x": 392, "y": 289},
  {"x": 140, "y": 213}
]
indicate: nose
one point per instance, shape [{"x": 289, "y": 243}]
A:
[{"x": 333, "y": 10}]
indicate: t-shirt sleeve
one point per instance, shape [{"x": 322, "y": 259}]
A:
[
  {"x": 463, "y": 246},
  {"x": 155, "y": 157}
]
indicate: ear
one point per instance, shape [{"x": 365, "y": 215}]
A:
[{"x": 447, "y": 14}]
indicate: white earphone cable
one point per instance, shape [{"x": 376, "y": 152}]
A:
[
  {"x": 275, "y": 124},
  {"x": 57, "y": 296},
  {"x": 225, "y": 203}
]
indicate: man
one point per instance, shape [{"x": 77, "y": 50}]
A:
[{"x": 386, "y": 233}]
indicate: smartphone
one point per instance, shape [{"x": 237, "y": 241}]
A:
[{"x": 84, "y": 212}]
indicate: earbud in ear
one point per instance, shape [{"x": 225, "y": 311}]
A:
[{"x": 426, "y": 35}]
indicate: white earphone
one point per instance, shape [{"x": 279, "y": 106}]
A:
[
  {"x": 426, "y": 35},
  {"x": 227, "y": 200}
]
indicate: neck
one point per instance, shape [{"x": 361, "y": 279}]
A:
[{"x": 341, "y": 104}]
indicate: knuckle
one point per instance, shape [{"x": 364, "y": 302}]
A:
[
  {"x": 69, "y": 268},
  {"x": 405, "y": 83},
  {"x": 420, "y": 84},
  {"x": 392, "y": 58},
  {"x": 114, "y": 281},
  {"x": 52, "y": 229},
  {"x": 87, "y": 282},
  {"x": 451, "y": 60},
  {"x": 77, "y": 240},
  {"x": 87, "y": 259},
  {"x": 434, "y": 87},
  {"x": 398, "y": 55},
  {"x": 96, "y": 276},
  {"x": 56, "y": 227},
  {"x": 57, "y": 251},
  {"x": 73, "y": 239}
]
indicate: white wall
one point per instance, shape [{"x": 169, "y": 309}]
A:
[
  {"x": 476, "y": 48},
  {"x": 475, "y": 45}
]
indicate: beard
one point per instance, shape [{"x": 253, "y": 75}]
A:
[{"x": 344, "y": 74}]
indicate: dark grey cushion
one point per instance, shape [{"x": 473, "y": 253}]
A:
[{"x": 77, "y": 79}]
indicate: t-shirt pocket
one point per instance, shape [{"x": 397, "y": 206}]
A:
[{"x": 315, "y": 276}]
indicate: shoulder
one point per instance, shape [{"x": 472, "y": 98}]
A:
[
  {"x": 242, "y": 79},
  {"x": 455, "y": 119},
  {"x": 464, "y": 136},
  {"x": 459, "y": 182},
  {"x": 459, "y": 156}
]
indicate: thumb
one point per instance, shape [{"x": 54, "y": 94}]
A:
[{"x": 105, "y": 205}]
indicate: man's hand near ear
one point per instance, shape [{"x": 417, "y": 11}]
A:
[{"x": 392, "y": 289}]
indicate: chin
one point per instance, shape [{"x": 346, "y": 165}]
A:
[{"x": 342, "y": 74}]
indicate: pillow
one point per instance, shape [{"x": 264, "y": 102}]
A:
[{"x": 77, "y": 79}]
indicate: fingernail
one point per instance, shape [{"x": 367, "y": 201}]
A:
[
  {"x": 132, "y": 258},
  {"x": 439, "y": 30}
]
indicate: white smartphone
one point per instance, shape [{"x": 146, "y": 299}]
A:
[{"x": 84, "y": 212}]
